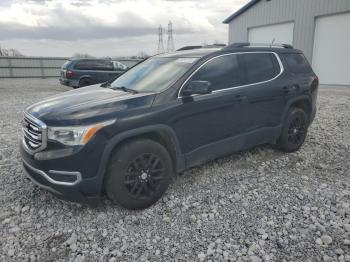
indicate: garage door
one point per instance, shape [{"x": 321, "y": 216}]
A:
[
  {"x": 331, "y": 56},
  {"x": 279, "y": 33}
]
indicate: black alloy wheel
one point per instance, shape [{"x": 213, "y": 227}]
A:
[
  {"x": 294, "y": 130},
  {"x": 138, "y": 174},
  {"x": 297, "y": 130},
  {"x": 143, "y": 176}
]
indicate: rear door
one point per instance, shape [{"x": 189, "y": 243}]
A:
[
  {"x": 264, "y": 90},
  {"x": 85, "y": 68},
  {"x": 104, "y": 70}
]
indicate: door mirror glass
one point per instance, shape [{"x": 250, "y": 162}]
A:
[{"x": 197, "y": 88}]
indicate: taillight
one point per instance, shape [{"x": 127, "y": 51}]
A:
[{"x": 69, "y": 74}]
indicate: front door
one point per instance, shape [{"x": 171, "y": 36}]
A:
[{"x": 202, "y": 121}]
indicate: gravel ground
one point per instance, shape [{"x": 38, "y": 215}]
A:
[{"x": 260, "y": 205}]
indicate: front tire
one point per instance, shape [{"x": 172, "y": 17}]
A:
[
  {"x": 138, "y": 174},
  {"x": 294, "y": 130}
]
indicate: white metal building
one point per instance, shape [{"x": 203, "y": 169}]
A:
[{"x": 320, "y": 28}]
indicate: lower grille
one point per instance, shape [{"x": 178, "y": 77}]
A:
[{"x": 34, "y": 133}]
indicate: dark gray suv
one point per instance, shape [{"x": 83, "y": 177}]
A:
[{"x": 83, "y": 72}]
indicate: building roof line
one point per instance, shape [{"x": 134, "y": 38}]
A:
[{"x": 240, "y": 11}]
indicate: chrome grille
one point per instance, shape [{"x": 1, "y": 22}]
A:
[{"x": 34, "y": 133}]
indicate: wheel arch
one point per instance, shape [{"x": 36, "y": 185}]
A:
[
  {"x": 85, "y": 76},
  {"x": 162, "y": 134},
  {"x": 303, "y": 102}
]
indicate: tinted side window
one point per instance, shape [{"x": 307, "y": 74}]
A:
[
  {"x": 84, "y": 65},
  {"x": 99, "y": 65},
  {"x": 104, "y": 65},
  {"x": 297, "y": 63},
  {"x": 260, "y": 67},
  {"x": 222, "y": 72}
]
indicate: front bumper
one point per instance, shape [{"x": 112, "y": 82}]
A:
[
  {"x": 67, "y": 192},
  {"x": 53, "y": 175}
]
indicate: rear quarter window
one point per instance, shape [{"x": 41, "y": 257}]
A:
[
  {"x": 260, "y": 67},
  {"x": 297, "y": 64},
  {"x": 66, "y": 64}
]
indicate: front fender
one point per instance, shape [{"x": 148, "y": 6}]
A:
[{"x": 117, "y": 139}]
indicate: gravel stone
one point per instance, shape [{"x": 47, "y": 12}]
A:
[
  {"x": 326, "y": 239},
  {"x": 339, "y": 251},
  {"x": 258, "y": 205},
  {"x": 327, "y": 258},
  {"x": 255, "y": 259}
]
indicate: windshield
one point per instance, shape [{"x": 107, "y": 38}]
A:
[{"x": 154, "y": 75}]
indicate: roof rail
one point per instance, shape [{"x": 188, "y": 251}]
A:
[
  {"x": 214, "y": 46},
  {"x": 189, "y": 47},
  {"x": 238, "y": 45},
  {"x": 247, "y": 44}
]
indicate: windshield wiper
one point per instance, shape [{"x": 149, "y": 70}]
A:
[{"x": 125, "y": 89}]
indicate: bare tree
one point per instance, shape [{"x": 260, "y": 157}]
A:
[
  {"x": 9, "y": 52},
  {"x": 82, "y": 55}
]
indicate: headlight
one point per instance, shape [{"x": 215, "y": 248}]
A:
[{"x": 75, "y": 135}]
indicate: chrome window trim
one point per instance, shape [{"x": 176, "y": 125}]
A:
[
  {"x": 43, "y": 128},
  {"x": 53, "y": 181},
  {"x": 229, "y": 88}
]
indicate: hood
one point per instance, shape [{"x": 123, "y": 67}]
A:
[{"x": 88, "y": 105}]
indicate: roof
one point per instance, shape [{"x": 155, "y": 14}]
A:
[
  {"x": 240, "y": 11},
  {"x": 88, "y": 58}
]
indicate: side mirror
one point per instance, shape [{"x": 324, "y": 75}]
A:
[{"x": 197, "y": 88}]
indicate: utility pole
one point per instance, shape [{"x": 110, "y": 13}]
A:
[{"x": 170, "y": 46}]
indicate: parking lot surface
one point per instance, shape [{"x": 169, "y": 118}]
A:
[{"x": 259, "y": 205}]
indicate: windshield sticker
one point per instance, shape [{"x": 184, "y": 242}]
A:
[{"x": 188, "y": 60}]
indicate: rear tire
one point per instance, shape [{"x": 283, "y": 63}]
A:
[
  {"x": 294, "y": 130},
  {"x": 138, "y": 174},
  {"x": 84, "y": 82}
]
